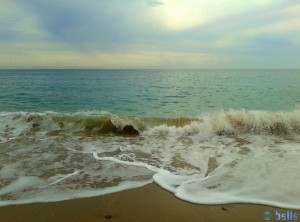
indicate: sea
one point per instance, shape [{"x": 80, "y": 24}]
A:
[{"x": 207, "y": 136}]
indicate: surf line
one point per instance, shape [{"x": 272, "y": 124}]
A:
[
  {"x": 61, "y": 179},
  {"x": 135, "y": 163}
]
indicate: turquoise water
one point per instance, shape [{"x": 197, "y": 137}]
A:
[
  {"x": 148, "y": 92},
  {"x": 208, "y": 136}
]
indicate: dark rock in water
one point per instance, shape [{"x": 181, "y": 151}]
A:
[
  {"x": 35, "y": 125},
  {"x": 224, "y": 133},
  {"x": 223, "y": 208},
  {"x": 107, "y": 217},
  {"x": 128, "y": 130},
  {"x": 107, "y": 127}
]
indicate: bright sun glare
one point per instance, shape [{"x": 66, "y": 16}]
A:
[{"x": 180, "y": 15}]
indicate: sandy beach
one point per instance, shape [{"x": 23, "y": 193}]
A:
[{"x": 148, "y": 203}]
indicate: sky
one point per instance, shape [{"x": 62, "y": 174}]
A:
[{"x": 151, "y": 34}]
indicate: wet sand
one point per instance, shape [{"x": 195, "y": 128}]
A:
[{"x": 149, "y": 203}]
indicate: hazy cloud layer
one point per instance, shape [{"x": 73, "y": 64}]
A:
[
  {"x": 155, "y": 3},
  {"x": 150, "y": 34}
]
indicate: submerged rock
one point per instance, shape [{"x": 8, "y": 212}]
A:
[
  {"x": 108, "y": 217},
  {"x": 128, "y": 130},
  {"x": 109, "y": 128},
  {"x": 35, "y": 125},
  {"x": 224, "y": 133}
]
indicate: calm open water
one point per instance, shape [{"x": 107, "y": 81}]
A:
[{"x": 148, "y": 92}]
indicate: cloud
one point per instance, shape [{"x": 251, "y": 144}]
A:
[
  {"x": 155, "y": 3},
  {"x": 18, "y": 24},
  {"x": 98, "y": 25},
  {"x": 178, "y": 15},
  {"x": 190, "y": 33},
  {"x": 277, "y": 24},
  {"x": 41, "y": 55}
]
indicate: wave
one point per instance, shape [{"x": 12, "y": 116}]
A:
[
  {"x": 209, "y": 159},
  {"x": 232, "y": 122},
  {"x": 256, "y": 122},
  {"x": 87, "y": 123}
]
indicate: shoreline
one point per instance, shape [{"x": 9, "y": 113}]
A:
[{"x": 147, "y": 203}]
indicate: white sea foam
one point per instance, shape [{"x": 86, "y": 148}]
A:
[
  {"x": 235, "y": 122},
  {"x": 265, "y": 176},
  {"x": 59, "y": 178},
  {"x": 129, "y": 162},
  {"x": 20, "y": 184},
  {"x": 223, "y": 157},
  {"x": 59, "y": 195}
]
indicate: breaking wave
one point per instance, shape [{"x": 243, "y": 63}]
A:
[
  {"x": 233, "y": 122},
  {"x": 213, "y": 158}
]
